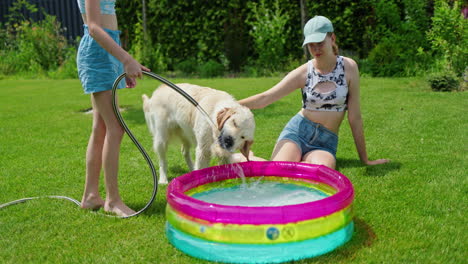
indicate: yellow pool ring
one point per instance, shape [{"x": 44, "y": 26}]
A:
[{"x": 259, "y": 234}]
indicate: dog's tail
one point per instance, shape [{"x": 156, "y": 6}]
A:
[
  {"x": 148, "y": 115},
  {"x": 146, "y": 103}
]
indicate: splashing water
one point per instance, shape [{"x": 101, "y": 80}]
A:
[
  {"x": 237, "y": 169},
  {"x": 261, "y": 193}
]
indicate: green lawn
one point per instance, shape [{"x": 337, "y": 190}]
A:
[{"x": 412, "y": 210}]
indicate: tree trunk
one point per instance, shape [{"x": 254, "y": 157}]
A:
[
  {"x": 304, "y": 18},
  {"x": 145, "y": 33}
]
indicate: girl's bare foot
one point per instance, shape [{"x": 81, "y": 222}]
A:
[
  {"x": 118, "y": 208},
  {"x": 92, "y": 202}
]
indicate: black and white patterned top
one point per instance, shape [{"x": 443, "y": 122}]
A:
[{"x": 335, "y": 100}]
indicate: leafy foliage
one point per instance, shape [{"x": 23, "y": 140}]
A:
[
  {"x": 183, "y": 33},
  {"x": 353, "y": 22},
  {"x": 186, "y": 30},
  {"x": 187, "y": 67},
  {"x": 258, "y": 37},
  {"x": 401, "y": 47},
  {"x": 444, "y": 82},
  {"x": 269, "y": 31},
  {"x": 31, "y": 47},
  {"x": 449, "y": 37},
  {"x": 211, "y": 69}
]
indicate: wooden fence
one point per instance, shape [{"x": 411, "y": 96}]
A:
[{"x": 66, "y": 12}]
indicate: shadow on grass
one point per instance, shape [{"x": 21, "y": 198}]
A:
[
  {"x": 363, "y": 237},
  {"x": 178, "y": 170},
  {"x": 158, "y": 206},
  {"x": 374, "y": 170}
]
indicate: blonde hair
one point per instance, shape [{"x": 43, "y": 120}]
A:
[{"x": 334, "y": 46}]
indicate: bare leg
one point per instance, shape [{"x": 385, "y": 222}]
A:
[
  {"x": 91, "y": 198},
  {"x": 320, "y": 157},
  {"x": 286, "y": 150},
  {"x": 102, "y": 102}
]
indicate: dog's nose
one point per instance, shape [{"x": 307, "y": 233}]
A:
[{"x": 226, "y": 142}]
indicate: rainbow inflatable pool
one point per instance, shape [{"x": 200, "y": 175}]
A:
[{"x": 259, "y": 234}]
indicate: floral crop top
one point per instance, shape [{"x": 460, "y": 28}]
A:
[
  {"x": 107, "y": 7},
  {"x": 334, "y": 100}
]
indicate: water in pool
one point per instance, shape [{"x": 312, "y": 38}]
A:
[{"x": 261, "y": 193}]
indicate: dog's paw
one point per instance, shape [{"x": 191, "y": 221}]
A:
[{"x": 162, "y": 182}]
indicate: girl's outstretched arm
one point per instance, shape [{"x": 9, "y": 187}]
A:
[{"x": 354, "y": 114}]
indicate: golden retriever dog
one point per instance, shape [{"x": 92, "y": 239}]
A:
[{"x": 169, "y": 116}]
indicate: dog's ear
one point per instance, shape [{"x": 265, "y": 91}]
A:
[
  {"x": 245, "y": 150},
  {"x": 223, "y": 116}
]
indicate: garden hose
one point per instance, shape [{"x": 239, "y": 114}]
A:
[
  {"x": 135, "y": 141},
  {"x": 132, "y": 137}
]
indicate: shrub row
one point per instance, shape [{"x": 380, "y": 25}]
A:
[{"x": 388, "y": 37}]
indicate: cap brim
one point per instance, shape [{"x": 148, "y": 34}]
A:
[{"x": 314, "y": 38}]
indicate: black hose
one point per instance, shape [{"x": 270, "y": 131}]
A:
[{"x": 135, "y": 141}]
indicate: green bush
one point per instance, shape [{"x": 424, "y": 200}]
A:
[
  {"x": 180, "y": 29},
  {"x": 444, "y": 82},
  {"x": 68, "y": 69},
  {"x": 449, "y": 37},
  {"x": 211, "y": 69},
  {"x": 187, "y": 67},
  {"x": 401, "y": 47},
  {"x": 269, "y": 32},
  {"x": 398, "y": 56},
  {"x": 146, "y": 52},
  {"x": 31, "y": 48},
  {"x": 388, "y": 58}
]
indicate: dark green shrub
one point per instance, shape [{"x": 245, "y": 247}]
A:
[
  {"x": 444, "y": 82},
  {"x": 449, "y": 37},
  {"x": 68, "y": 69},
  {"x": 187, "y": 67},
  {"x": 269, "y": 30},
  {"x": 384, "y": 59},
  {"x": 398, "y": 55},
  {"x": 30, "y": 47},
  {"x": 211, "y": 69}
]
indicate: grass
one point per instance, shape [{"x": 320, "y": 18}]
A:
[{"x": 412, "y": 210}]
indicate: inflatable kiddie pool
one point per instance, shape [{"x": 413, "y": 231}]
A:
[{"x": 269, "y": 233}]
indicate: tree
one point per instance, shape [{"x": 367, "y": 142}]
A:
[{"x": 304, "y": 18}]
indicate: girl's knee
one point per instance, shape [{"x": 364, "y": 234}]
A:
[
  {"x": 320, "y": 157},
  {"x": 116, "y": 132},
  {"x": 286, "y": 150},
  {"x": 329, "y": 163}
]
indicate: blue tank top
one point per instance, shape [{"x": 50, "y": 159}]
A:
[
  {"x": 107, "y": 7},
  {"x": 335, "y": 100}
]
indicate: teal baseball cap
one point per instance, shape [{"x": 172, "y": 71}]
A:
[{"x": 316, "y": 29}]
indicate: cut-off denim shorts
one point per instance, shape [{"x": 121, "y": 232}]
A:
[
  {"x": 309, "y": 135},
  {"x": 97, "y": 68}
]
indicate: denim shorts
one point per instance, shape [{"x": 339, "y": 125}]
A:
[
  {"x": 97, "y": 68},
  {"x": 309, "y": 135}
]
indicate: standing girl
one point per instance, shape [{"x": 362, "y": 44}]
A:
[{"x": 100, "y": 61}]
